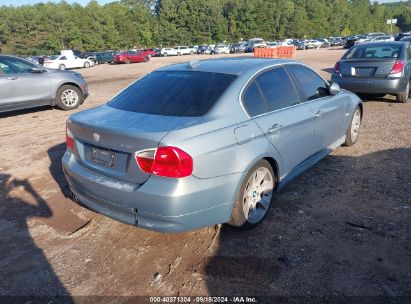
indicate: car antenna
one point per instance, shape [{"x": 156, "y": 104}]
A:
[{"x": 193, "y": 64}]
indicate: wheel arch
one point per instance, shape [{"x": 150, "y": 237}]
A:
[
  {"x": 274, "y": 165},
  {"x": 63, "y": 84},
  {"x": 360, "y": 105}
]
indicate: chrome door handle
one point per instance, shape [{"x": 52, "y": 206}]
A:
[
  {"x": 275, "y": 128},
  {"x": 12, "y": 78},
  {"x": 318, "y": 114}
]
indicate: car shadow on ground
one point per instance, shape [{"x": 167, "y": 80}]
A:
[
  {"x": 340, "y": 229},
  {"x": 55, "y": 154},
  {"x": 24, "y": 269},
  {"x": 25, "y": 111},
  {"x": 328, "y": 70}
]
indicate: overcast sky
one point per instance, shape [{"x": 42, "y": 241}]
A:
[{"x": 84, "y": 2}]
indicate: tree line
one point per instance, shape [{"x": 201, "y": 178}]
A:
[{"x": 46, "y": 28}]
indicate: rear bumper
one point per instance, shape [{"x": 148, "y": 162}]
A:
[
  {"x": 161, "y": 204},
  {"x": 371, "y": 85}
]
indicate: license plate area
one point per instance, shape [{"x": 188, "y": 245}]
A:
[
  {"x": 363, "y": 71},
  {"x": 104, "y": 157}
]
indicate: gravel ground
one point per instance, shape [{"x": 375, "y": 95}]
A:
[{"x": 341, "y": 229}]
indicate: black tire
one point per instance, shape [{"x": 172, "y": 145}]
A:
[
  {"x": 165, "y": 54},
  {"x": 64, "y": 104},
  {"x": 350, "y": 139},
  {"x": 191, "y": 53},
  {"x": 62, "y": 67},
  {"x": 86, "y": 64},
  {"x": 127, "y": 61},
  {"x": 146, "y": 59},
  {"x": 403, "y": 97},
  {"x": 238, "y": 218},
  {"x": 178, "y": 54}
]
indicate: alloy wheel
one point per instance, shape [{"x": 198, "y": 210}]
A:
[
  {"x": 355, "y": 125},
  {"x": 257, "y": 195},
  {"x": 69, "y": 97}
]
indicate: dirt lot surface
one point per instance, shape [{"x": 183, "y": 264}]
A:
[{"x": 341, "y": 229}]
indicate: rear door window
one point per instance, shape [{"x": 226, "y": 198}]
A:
[
  {"x": 312, "y": 85},
  {"x": 278, "y": 89},
  {"x": 253, "y": 101},
  {"x": 173, "y": 93},
  {"x": 272, "y": 90}
]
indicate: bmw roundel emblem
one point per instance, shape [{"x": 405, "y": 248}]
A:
[{"x": 96, "y": 136}]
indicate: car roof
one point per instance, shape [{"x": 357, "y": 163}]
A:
[
  {"x": 382, "y": 43},
  {"x": 236, "y": 66}
]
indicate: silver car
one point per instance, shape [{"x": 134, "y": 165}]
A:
[
  {"x": 205, "y": 142},
  {"x": 24, "y": 84},
  {"x": 376, "y": 69}
]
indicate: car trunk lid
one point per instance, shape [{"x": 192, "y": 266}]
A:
[
  {"x": 107, "y": 138},
  {"x": 378, "y": 68}
]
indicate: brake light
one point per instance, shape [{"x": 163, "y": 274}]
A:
[
  {"x": 397, "y": 67},
  {"x": 165, "y": 161},
  {"x": 70, "y": 142},
  {"x": 337, "y": 67}
]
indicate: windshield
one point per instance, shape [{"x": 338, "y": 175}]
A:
[
  {"x": 173, "y": 93},
  {"x": 374, "y": 51}
]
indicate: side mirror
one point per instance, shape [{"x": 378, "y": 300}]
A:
[
  {"x": 37, "y": 70},
  {"x": 335, "y": 89}
]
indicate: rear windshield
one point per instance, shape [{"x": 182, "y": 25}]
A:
[
  {"x": 173, "y": 93},
  {"x": 374, "y": 51}
]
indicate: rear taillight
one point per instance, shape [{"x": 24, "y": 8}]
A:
[
  {"x": 70, "y": 142},
  {"x": 337, "y": 67},
  {"x": 165, "y": 161},
  {"x": 398, "y": 67}
]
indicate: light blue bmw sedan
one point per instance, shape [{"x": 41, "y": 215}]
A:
[{"x": 206, "y": 142}]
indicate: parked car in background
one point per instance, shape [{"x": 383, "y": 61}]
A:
[
  {"x": 193, "y": 49},
  {"x": 204, "y": 49},
  {"x": 237, "y": 48},
  {"x": 169, "y": 52},
  {"x": 85, "y": 55},
  {"x": 254, "y": 43},
  {"x": 273, "y": 44},
  {"x": 299, "y": 44},
  {"x": 312, "y": 44},
  {"x": 351, "y": 41},
  {"x": 221, "y": 48},
  {"x": 400, "y": 36},
  {"x": 376, "y": 68},
  {"x": 405, "y": 39},
  {"x": 183, "y": 50},
  {"x": 104, "y": 57},
  {"x": 157, "y": 52},
  {"x": 324, "y": 42},
  {"x": 336, "y": 41},
  {"x": 382, "y": 38},
  {"x": 181, "y": 135},
  {"x": 148, "y": 52},
  {"x": 130, "y": 57},
  {"x": 24, "y": 84},
  {"x": 66, "y": 60}
]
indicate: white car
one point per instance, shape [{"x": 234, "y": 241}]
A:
[
  {"x": 184, "y": 50},
  {"x": 63, "y": 62},
  {"x": 168, "y": 52},
  {"x": 221, "y": 49},
  {"x": 312, "y": 44}
]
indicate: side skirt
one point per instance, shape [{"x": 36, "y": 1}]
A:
[{"x": 309, "y": 162}]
